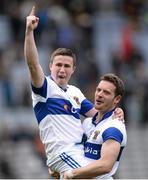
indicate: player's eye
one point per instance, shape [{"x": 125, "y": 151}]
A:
[
  {"x": 59, "y": 64},
  {"x": 67, "y": 65}
]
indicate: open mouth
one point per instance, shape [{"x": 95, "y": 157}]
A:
[
  {"x": 99, "y": 102},
  {"x": 61, "y": 76}
]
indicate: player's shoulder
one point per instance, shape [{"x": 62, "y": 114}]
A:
[
  {"x": 73, "y": 87},
  {"x": 117, "y": 123},
  {"x": 49, "y": 80},
  {"x": 87, "y": 122},
  {"x": 51, "y": 83},
  {"x": 87, "y": 125}
]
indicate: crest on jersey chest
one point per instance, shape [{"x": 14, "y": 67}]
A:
[
  {"x": 95, "y": 134},
  {"x": 76, "y": 100}
]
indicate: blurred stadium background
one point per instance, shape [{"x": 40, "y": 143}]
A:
[{"x": 107, "y": 36}]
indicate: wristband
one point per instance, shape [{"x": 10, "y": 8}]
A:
[{"x": 69, "y": 174}]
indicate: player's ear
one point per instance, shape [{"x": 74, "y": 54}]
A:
[
  {"x": 50, "y": 66},
  {"x": 74, "y": 68},
  {"x": 117, "y": 99}
]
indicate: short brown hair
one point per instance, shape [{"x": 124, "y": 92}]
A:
[
  {"x": 118, "y": 83},
  {"x": 64, "y": 52}
]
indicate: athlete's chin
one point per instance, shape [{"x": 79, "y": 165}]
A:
[
  {"x": 99, "y": 107},
  {"x": 62, "y": 82}
]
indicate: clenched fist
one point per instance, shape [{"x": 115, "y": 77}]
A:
[{"x": 31, "y": 20}]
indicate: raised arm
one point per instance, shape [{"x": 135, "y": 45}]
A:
[{"x": 30, "y": 50}]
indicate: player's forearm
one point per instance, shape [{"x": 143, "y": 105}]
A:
[
  {"x": 91, "y": 171},
  {"x": 91, "y": 112},
  {"x": 31, "y": 56},
  {"x": 30, "y": 50}
]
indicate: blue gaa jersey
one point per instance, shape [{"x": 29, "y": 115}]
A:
[
  {"x": 58, "y": 114},
  {"x": 98, "y": 133}
]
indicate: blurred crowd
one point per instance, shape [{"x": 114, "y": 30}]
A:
[{"x": 106, "y": 35}]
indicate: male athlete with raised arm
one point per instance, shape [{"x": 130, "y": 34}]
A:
[{"x": 57, "y": 105}]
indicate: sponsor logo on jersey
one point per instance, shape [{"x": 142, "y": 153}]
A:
[
  {"x": 91, "y": 150},
  {"x": 66, "y": 107},
  {"x": 72, "y": 109}
]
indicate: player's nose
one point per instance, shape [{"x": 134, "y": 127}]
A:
[{"x": 62, "y": 68}]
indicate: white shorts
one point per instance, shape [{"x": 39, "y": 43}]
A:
[{"x": 70, "y": 157}]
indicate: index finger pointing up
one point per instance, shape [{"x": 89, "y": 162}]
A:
[{"x": 32, "y": 11}]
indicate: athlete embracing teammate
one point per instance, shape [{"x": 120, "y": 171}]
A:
[{"x": 57, "y": 105}]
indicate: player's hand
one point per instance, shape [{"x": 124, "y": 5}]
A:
[
  {"x": 53, "y": 174},
  {"x": 31, "y": 20},
  {"x": 68, "y": 174},
  {"x": 118, "y": 113}
]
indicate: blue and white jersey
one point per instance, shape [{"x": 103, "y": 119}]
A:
[
  {"x": 58, "y": 114},
  {"x": 98, "y": 133}
]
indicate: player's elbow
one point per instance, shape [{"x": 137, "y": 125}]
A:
[{"x": 106, "y": 168}]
